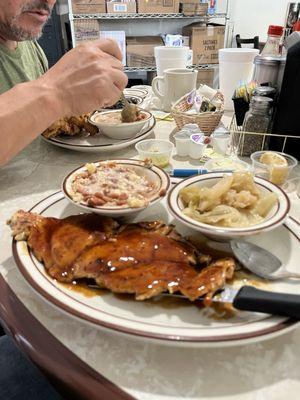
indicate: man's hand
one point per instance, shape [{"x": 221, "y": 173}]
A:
[{"x": 88, "y": 77}]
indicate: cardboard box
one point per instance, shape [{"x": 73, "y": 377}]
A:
[
  {"x": 140, "y": 50},
  {"x": 119, "y": 37},
  {"x": 194, "y": 8},
  {"x": 86, "y": 29},
  {"x": 205, "y": 77},
  {"x": 158, "y": 6},
  {"x": 118, "y": 7},
  {"x": 205, "y": 41},
  {"x": 88, "y": 6}
]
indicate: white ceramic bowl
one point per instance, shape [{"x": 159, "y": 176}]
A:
[
  {"x": 124, "y": 130},
  {"x": 136, "y": 91},
  {"x": 159, "y": 178},
  {"x": 276, "y": 216}
]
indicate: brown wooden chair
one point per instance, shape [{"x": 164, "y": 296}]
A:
[{"x": 254, "y": 41}]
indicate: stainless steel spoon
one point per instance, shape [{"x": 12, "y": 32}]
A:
[
  {"x": 260, "y": 261},
  {"x": 130, "y": 111}
]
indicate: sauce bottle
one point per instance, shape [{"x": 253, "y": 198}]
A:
[{"x": 272, "y": 46}]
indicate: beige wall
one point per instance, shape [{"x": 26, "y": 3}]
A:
[{"x": 252, "y": 17}]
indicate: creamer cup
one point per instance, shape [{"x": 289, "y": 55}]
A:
[
  {"x": 182, "y": 142},
  {"x": 197, "y": 145}
]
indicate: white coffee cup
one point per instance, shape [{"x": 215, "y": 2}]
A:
[{"x": 176, "y": 82}]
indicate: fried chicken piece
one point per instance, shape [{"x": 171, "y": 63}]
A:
[
  {"x": 144, "y": 259},
  {"x": 71, "y": 126}
]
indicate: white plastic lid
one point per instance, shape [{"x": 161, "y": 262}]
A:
[
  {"x": 170, "y": 52},
  {"x": 192, "y": 127},
  {"x": 237, "y": 54}
]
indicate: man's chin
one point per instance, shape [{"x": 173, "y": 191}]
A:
[{"x": 25, "y": 34}]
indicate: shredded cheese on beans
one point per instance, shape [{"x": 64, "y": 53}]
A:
[{"x": 111, "y": 185}]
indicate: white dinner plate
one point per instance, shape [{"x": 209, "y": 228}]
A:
[
  {"x": 164, "y": 321},
  {"x": 99, "y": 143}
]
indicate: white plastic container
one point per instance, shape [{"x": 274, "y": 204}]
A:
[
  {"x": 220, "y": 143},
  {"x": 235, "y": 66},
  {"x": 159, "y": 151},
  {"x": 167, "y": 57},
  {"x": 182, "y": 143},
  {"x": 197, "y": 146},
  {"x": 275, "y": 173}
]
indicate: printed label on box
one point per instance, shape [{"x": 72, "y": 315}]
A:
[{"x": 120, "y": 7}]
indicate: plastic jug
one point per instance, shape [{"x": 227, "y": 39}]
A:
[{"x": 235, "y": 66}]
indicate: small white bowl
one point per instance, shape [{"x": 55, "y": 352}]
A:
[
  {"x": 275, "y": 218},
  {"x": 159, "y": 178},
  {"x": 158, "y": 151},
  {"x": 124, "y": 130}
]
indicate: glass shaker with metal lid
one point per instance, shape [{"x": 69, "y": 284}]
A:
[
  {"x": 257, "y": 120},
  {"x": 266, "y": 70},
  {"x": 266, "y": 91}
]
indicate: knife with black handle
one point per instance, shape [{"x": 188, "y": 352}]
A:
[{"x": 249, "y": 298}]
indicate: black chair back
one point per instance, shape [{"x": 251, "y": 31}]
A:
[{"x": 254, "y": 41}]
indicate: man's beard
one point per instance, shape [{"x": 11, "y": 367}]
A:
[{"x": 11, "y": 29}]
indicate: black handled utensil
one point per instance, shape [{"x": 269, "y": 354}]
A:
[{"x": 249, "y": 298}]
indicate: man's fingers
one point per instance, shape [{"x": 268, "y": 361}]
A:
[
  {"x": 114, "y": 96},
  {"x": 116, "y": 64},
  {"x": 109, "y": 46},
  {"x": 119, "y": 79}
]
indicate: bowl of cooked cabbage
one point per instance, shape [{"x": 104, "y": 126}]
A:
[{"x": 227, "y": 206}]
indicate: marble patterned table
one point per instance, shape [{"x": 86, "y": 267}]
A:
[{"x": 145, "y": 371}]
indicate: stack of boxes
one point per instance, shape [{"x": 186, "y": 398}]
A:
[
  {"x": 205, "y": 41},
  {"x": 126, "y": 6}
]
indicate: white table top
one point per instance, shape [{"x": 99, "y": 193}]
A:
[{"x": 266, "y": 370}]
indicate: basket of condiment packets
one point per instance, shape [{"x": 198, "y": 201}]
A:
[{"x": 204, "y": 107}]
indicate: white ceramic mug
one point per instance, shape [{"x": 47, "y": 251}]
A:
[{"x": 176, "y": 82}]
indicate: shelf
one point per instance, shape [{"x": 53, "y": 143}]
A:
[
  {"x": 203, "y": 18},
  {"x": 153, "y": 69}
]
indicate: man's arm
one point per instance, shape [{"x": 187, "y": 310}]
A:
[
  {"x": 86, "y": 78},
  {"x": 25, "y": 112}
]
